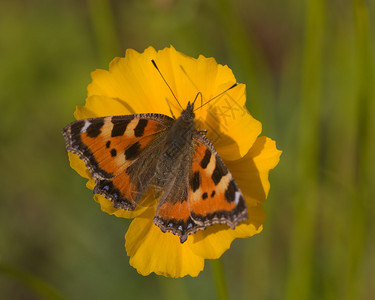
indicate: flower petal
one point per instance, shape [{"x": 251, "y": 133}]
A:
[
  {"x": 251, "y": 172},
  {"x": 151, "y": 250},
  {"x": 188, "y": 76},
  {"x": 212, "y": 242},
  {"x": 102, "y": 106},
  {"x": 79, "y": 166},
  {"x": 107, "y": 206},
  {"x": 231, "y": 128},
  {"x": 229, "y": 125},
  {"x": 134, "y": 80}
]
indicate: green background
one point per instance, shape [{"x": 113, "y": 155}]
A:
[{"x": 309, "y": 70}]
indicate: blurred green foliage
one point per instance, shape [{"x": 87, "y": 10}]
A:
[{"x": 309, "y": 69}]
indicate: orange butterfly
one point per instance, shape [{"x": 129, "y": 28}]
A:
[{"x": 132, "y": 154}]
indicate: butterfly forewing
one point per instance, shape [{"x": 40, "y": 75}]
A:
[{"x": 109, "y": 146}]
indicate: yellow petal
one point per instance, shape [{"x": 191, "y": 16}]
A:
[
  {"x": 187, "y": 76},
  {"x": 78, "y": 165},
  {"x": 212, "y": 242},
  {"x": 102, "y": 106},
  {"x": 151, "y": 250},
  {"x": 107, "y": 206},
  {"x": 230, "y": 127},
  {"x": 251, "y": 172},
  {"x": 134, "y": 80}
]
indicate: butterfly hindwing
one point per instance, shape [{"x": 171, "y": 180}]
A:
[
  {"x": 214, "y": 197},
  {"x": 173, "y": 213},
  {"x": 109, "y": 146},
  {"x": 201, "y": 194}
]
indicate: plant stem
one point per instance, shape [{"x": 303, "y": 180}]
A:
[
  {"x": 34, "y": 283},
  {"x": 221, "y": 287},
  {"x": 173, "y": 286}
]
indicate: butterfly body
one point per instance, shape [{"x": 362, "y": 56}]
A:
[
  {"x": 132, "y": 156},
  {"x": 177, "y": 149}
]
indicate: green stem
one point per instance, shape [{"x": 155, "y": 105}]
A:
[
  {"x": 221, "y": 287},
  {"x": 34, "y": 283},
  {"x": 171, "y": 287}
]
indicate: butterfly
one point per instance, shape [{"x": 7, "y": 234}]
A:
[{"x": 130, "y": 156}]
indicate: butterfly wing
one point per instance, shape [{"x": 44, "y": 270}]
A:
[
  {"x": 111, "y": 146},
  {"x": 202, "y": 193},
  {"x": 173, "y": 214},
  {"x": 214, "y": 197}
]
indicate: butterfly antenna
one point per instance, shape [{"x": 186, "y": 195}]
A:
[
  {"x": 154, "y": 63},
  {"x": 170, "y": 108},
  {"x": 223, "y": 92},
  {"x": 196, "y": 97}
]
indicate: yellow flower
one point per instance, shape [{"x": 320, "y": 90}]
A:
[{"x": 132, "y": 85}]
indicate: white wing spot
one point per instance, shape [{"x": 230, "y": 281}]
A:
[
  {"x": 237, "y": 197},
  {"x": 84, "y": 128}
]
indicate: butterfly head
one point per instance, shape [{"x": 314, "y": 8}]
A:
[{"x": 188, "y": 114}]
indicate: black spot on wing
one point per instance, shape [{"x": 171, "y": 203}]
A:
[
  {"x": 206, "y": 159},
  {"x": 195, "y": 181},
  {"x": 75, "y": 128},
  {"x": 230, "y": 193},
  {"x": 204, "y": 196},
  {"x": 113, "y": 152},
  {"x": 133, "y": 151},
  {"x": 219, "y": 171},
  {"x": 94, "y": 128},
  {"x": 119, "y": 126},
  {"x": 108, "y": 144},
  {"x": 213, "y": 194},
  {"x": 140, "y": 128}
]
